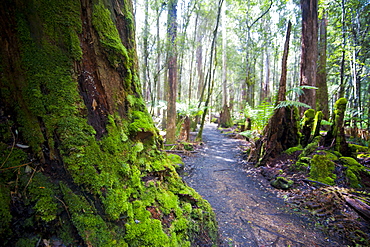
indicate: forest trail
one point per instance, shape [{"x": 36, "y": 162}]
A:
[{"x": 247, "y": 211}]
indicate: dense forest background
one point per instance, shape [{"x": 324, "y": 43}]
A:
[{"x": 229, "y": 58}]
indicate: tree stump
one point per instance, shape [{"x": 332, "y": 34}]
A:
[{"x": 281, "y": 133}]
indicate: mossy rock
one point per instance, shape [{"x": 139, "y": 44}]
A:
[
  {"x": 358, "y": 148},
  {"x": 282, "y": 183},
  {"x": 291, "y": 150},
  {"x": 176, "y": 160},
  {"x": 322, "y": 169},
  {"x": 354, "y": 169}
]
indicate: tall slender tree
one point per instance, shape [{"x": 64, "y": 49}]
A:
[
  {"x": 211, "y": 69},
  {"x": 225, "y": 115},
  {"x": 172, "y": 71}
]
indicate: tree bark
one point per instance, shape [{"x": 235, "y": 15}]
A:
[
  {"x": 80, "y": 157},
  {"x": 172, "y": 72},
  {"x": 309, "y": 52},
  {"x": 322, "y": 91},
  {"x": 282, "y": 84},
  {"x": 225, "y": 115}
]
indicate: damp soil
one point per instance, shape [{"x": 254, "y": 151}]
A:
[{"x": 248, "y": 210}]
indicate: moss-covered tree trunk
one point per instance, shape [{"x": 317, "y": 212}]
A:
[
  {"x": 79, "y": 154},
  {"x": 322, "y": 96}
]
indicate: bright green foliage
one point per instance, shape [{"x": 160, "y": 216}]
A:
[
  {"x": 322, "y": 169},
  {"x": 260, "y": 115}
]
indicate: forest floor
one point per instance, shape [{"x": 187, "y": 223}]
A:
[{"x": 249, "y": 211}]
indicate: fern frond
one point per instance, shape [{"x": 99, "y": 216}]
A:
[
  {"x": 299, "y": 90},
  {"x": 286, "y": 103}
]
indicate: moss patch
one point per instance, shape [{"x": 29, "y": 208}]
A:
[
  {"x": 353, "y": 171},
  {"x": 322, "y": 169}
]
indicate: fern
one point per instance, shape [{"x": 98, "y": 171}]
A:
[
  {"x": 299, "y": 90},
  {"x": 287, "y": 103}
]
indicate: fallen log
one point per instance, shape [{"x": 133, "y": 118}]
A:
[{"x": 360, "y": 207}]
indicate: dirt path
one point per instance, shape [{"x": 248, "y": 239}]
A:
[{"x": 248, "y": 213}]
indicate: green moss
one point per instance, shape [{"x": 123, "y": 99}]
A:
[
  {"x": 27, "y": 242},
  {"x": 358, "y": 148},
  {"x": 322, "y": 169},
  {"x": 311, "y": 147},
  {"x": 309, "y": 116},
  {"x": 109, "y": 37},
  {"x": 141, "y": 122},
  {"x": 43, "y": 193},
  {"x": 91, "y": 226},
  {"x": 5, "y": 211},
  {"x": 353, "y": 171},
  {"x": 291, "y": 150},
  {"x": 317, "y": 123},
  {"x": 282, "y": 183},
  {"x": 340, "y": 105},
  {"x": 331, "y": 156},
  {"x": 175, "y": 160}
]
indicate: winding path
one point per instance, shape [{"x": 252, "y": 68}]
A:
[{"x": 248, "y": 213}]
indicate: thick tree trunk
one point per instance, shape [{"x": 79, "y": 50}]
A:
[
  {"x": 80, "y": 157},
  {"x": 322, "y": 91},
  {"x": 309, "y": 52}
]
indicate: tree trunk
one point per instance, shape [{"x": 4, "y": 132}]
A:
[
  {"x": 225, "y": 115},
  {"x": 282, "y": 85},
  {"x": 322, "y": 96},
  {"x": 80, "y": 158},
  {"x": 335, "y": 137},
  {"x": 211, "y": 73},
  {"x": 309, "y": 52},
  {"x": 342, "y": 63},
  {"x": 172, "y": 72},
  {"x": 157, "y": 77},
  {"x": 145, "y": 70},
  {"x": 282, "y": 129}
]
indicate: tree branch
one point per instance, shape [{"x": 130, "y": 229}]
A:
[{"x": 264, "y": 13}]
